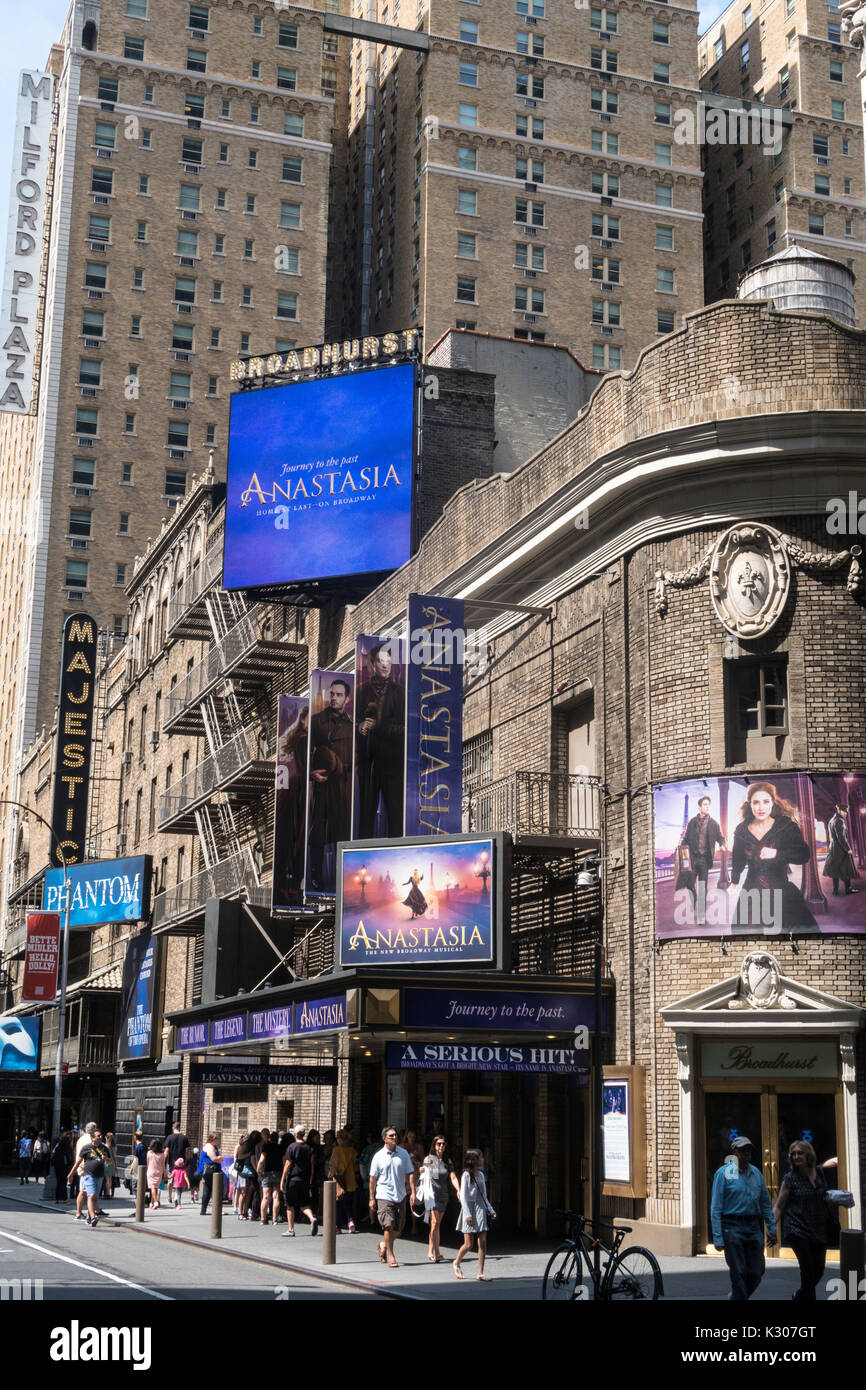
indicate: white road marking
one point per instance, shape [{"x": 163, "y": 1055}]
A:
[{"x": 91, "y": 1269}]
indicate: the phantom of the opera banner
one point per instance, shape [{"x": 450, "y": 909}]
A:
[
  {"x": 417, "y": 904},
  {"x": 767, "y": 855}
]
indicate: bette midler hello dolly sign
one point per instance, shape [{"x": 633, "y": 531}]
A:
[{"x": 421, "y": 902}]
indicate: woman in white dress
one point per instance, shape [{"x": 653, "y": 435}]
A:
[{"x": 475, "y": 1211}]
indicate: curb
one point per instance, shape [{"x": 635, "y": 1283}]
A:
[{"x": 346, "y": 1280}]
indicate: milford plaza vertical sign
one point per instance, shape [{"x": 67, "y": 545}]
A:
[
  {"x": 74, "y": 735},
  {"x": 30, "y": 155}
]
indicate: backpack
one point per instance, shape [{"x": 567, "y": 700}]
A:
[{"x": 42, "y": 1148}]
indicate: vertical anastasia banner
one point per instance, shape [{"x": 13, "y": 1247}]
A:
[
  {"x": 330, "y": 763},
  {"x": 290, "y": 813},
  {"x": 434, "y": 716},
  {"x": 380, "y": 737}
]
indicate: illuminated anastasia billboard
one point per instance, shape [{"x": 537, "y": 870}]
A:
[{"x": 320, "y": 479}]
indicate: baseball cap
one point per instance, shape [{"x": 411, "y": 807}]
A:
[{"x": 741, "y": 1142}]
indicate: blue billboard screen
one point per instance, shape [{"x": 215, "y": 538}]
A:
[
  {"x": 19, "y": 1044},
  {"x": 114, "y": 890},
  {"x": 320, "y": 479}
]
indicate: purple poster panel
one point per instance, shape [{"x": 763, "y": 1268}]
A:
[
  {"x": 380, "y": 737},
  {"x": 427, "y": 904},
  {"x": 290, "y": 803},
  {"x": 329, "y": 777},
  {"x": 434, "y": 716},
  {"x": 761, "y": 856}
]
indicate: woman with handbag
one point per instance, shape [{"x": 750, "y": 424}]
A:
[
  {"x": 211, "y": 1165},
  {"x": 437, "y": 1179},
  {"x": 802, "y": 1204},
  {"x": 476, "y": 1212}
]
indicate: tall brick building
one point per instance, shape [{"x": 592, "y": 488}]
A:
[{"x": 792, "y": 55}]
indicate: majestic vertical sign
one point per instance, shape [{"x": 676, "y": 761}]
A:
[
  {"x": 380, "y": 737},
  {"x": 290, "y": 814},
  {"x": 74, "y": 734},
  {"x": 434, "y": 716},
  {"x": 330, "y": 775},
  {"x": 24, "y": 241},
  {"x": 41, "y": 958},
  {"x": 137, "y": 998}
]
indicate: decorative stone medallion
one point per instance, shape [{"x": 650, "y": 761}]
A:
[
  {"x": 750, "y": 578},
  {"x": 761, "y": 984}
]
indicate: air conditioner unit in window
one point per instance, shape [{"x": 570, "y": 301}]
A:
[
  {"x": 188, "y": 216},
  {"x": 529, "y": 101},
  {"x": 102, "y": 199},
  {"x": 175, "y": 453},
  {"x": 104, "y": 154},
  {"x": 120, "y": 846},
  {"x": 606, "y": 77},
  {"x": 98, "y": 246},
  {"x": 604, "y": 116},
  {"x": 192, "y": 168},
  {"x": 85, "y": 442},
  {"x": 199, "y": 33},
  {"x": 75, "y": 595},
  {"x": 171, "y": 502},
  {"x": 531, "y": 274},
  {"x": 88, "y": 390},
  {"x": 606, "y": 330},
  {"x": 184, "y": 308},
  {"x": 193, "y": 123},
  {"x": 78, "y": 543},
  {"x": 606, "y": 244},
  {"x": 822, "y": 160},
  {"x": 603, "y": 34},
  {"x": 181, "y": 357},
  {"x": 530, "y": 19},
  {"x": 82, "y": 491},
  {"x": 178, "y": 404},
  {"x": 606, "y": 286},
  {"x": 106, "y": 106},
  {"x": 153, "y": 737},
  {"x": 529, "y": 318},
  {"x": 530, "y": 187},
  {"x": 186, "y": 260},
  {"x": 93, "y": 342},
  {"x": 606, "y": 202},
  {"x": 94, "y": 294}
]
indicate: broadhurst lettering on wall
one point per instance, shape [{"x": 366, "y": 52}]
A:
[
  {"x": 74, "y": 734},
  {"x": 30, "y": 155}
]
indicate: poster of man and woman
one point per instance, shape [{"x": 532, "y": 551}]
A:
[{"x": 761, "y": 855}]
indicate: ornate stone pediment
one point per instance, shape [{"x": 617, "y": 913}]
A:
[{"x": 762, "y": 998}]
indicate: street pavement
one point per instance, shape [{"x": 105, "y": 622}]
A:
[{"x": 172, "y": 1254}]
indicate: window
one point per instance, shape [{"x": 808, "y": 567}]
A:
[
  {"x": 199, "y": 17},
  {"x": 92, "y": 323},
  {"x": 287, "y": 78},
  {"x": 664, "y": 238},
  {"x": 184, "y": 289},
  {"x": 102, "y": 182},
  {"x": 287, "y": 306},
  {"x": 746, "y": 254},
  {"x": 531, "y": 7},
  {"x": 662, "y": 72},
  {"x": 177, "y": 436},
  {"x": 532, "y": 44},
  {"x": 214, "y": 337},
  {"x": 758, "y": 700},
  {"x": 744, "y": 54},
  {"x": 133, "y": 48},
  {"x": 604, "y": 101},
  {"x": 771, "y": 234},
  {"x": 816, "y": 223},
  {"x": 95, "y": 275},
  {"x": 662, "y": 155},
  {"x": 747, "y": 16},
  {"x": 822, "y": 184},
  {"x": 603, "y": 19},
  {"x": 196, "y": 60},
  {"x": 86, "y": 421},
  {"x": 664, "y": 195},
  {"x": 143, "y": 183},
  {"x": 255, "y": 70},
  {"x": 76, "y": 574},
  {"x": 251, "y": 203},
  {"x": 293, "y": 125},
  {"x": 820, "y": 146},
  {"x": 252, "y": 159},
  {"x": 605, "y": 226},
  {"x": 135, "y": 326},
  {"x": 834, "y": 33},
  {"x": 606, "y": 357},
  {"x": 603, "y": 268},
  {"x": 662, "y": 112},
  {"x": 79, "y": 522},
  {"x": 292, "y": 170},
  {"x": 789, "y": 8},
  {"x": 187, "y": 243},
  {"x": 254, "y": 115},
  {"x": 467, "y": 245},
  {"x": 136, "y": 9},
  {"x": 89, "y": 372},
  {"x": 718, "y": 50},
  {"x": 175, "y": 483},
  {"x": 213, "y": 386},
  {"x": 529, "y": 212},
  {"x": 846, "y": 188},
  {"x": 528, "y": 85},
  {"x": 837, "y": 110},
  {"x": 107, "y": 88},
  {"x": 530, "y": 170},
  {"x": 849, "y": 226},
  {"x": 468, "y": 74},
  {"x": 189, "y": 197},
  {"x": 605, "y": 311},
  {"x": 468, "y": 115},
  {"x": 528, "y": 257},
  {"x": 224, "y": 154},
  {"x": 664, "y": 281},
  {"x": 288, "y": 36},
  {"x": 665, "y": 321},
  {"x": 290, "y": 215},
  {"x": 190, "y": 152},
  {"x": 465, "y": 289},
  {"x": 179, "y": 386},
  {"x": 220, "y": 200},
  {"x": 120, "y": 574},
  {"x": 123, "y": 524},
  {"x": 467, "y": 201},
  {"x": 836, "y": 73},
  {"x": 99, "y": 228},
  {"x": 83, "y": 471},
  {"x": 247, "y": 296},
  {"x": 104, "y": 135},
  {"x": 606, "y": 184},
  {"x": 528, "y": 300}
]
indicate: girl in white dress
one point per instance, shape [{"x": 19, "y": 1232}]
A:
[{"x": 475, "y": 1211}]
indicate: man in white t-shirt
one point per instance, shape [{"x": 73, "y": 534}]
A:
[{"x": 391, "y": 1173}]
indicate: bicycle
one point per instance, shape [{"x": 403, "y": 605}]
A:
[{"x": 632, "y": 1274}]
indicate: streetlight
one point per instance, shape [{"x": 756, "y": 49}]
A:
[
  {"x": 589, "y": 876},
  {"x": 362, "y": 879},
  {"x": 482, "y": 871},
  {"x": 49, "y": 1186}
]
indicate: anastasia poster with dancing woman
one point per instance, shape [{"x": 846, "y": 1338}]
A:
[{"x": 761, "y": 856}]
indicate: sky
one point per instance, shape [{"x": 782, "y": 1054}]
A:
[{"x": 29, "y": 30}]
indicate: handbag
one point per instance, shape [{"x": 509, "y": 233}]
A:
[
  {"x": 685, "y": 877},
  {"x": 838, "y": 1197}
]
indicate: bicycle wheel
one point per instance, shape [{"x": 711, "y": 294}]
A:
[
  {"x": 635, "y": 1276},
  {"x": 562, "y": 1277}
]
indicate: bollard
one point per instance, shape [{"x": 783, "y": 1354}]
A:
[
  {"x": 852, "y": 1259},
  {"x": 216, "y": 1211},
  {"x": 329, "y": 1222},
  {"x": 140, "y": 1190}
]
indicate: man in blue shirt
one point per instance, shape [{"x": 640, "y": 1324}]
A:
[
  {"x": 740, "y": 1200},
  {"x": 391, "y": 1171}
]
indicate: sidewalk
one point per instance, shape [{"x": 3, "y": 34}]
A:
[{"x": 515, "y": 1267}]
